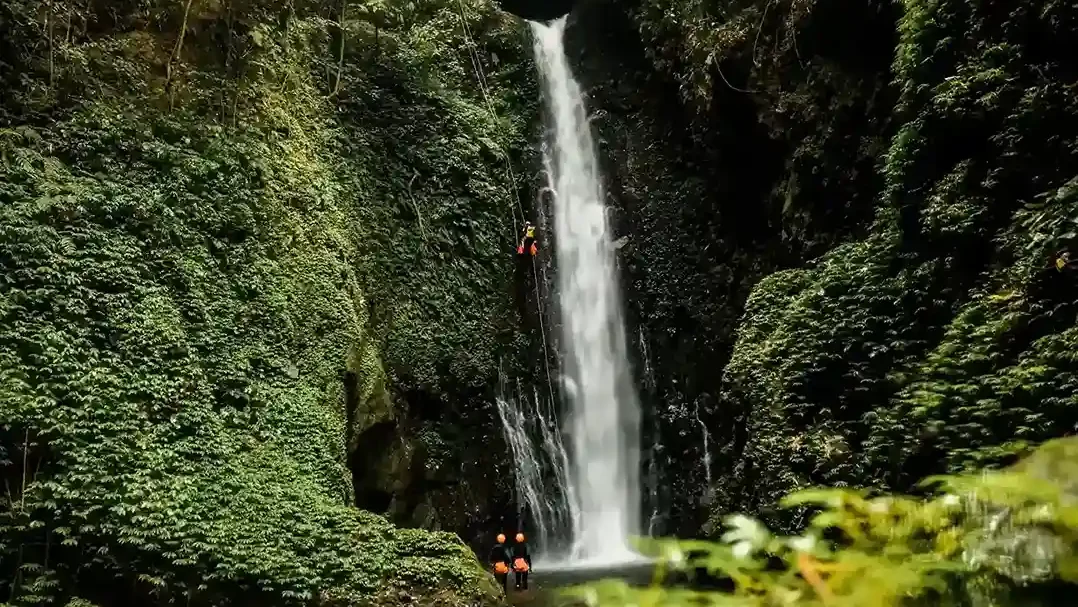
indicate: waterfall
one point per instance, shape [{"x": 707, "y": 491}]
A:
[
  {"x": 540, "y": 466},
  {"x": 656, "y": 443},
  {"x": 604, "y": 424},
  {"x": 705, "y": 437}
]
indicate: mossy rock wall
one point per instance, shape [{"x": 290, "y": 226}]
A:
[
  {"x": 839, "y": 225},
  {"x": 253, "y": 278},
  {"x": 720, "y": 172},
  {"x": 942, "y": 339}
]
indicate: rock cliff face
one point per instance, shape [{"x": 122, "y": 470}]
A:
[
  {"x": 840, "y": 223},
  {"x": 257, "y": 270},
  {"x": 254, "y": 259}
]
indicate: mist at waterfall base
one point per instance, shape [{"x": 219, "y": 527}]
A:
[{"x": 590, "y": 493}]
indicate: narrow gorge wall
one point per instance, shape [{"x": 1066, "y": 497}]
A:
[
  {"x": 840, "y": 227},
  {"x": 256, "y": 273}
]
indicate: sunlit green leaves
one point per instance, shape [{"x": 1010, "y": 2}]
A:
[{"x": 972, "y": 544}]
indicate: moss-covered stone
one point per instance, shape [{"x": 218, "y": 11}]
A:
[
  {"x": 887, "y": 181},
  {"x": 237, "y": 255},
  {"x": 938, "y": 341},
  {"x": 738, "y": 139}
]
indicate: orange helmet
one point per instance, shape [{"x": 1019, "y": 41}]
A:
[
  {"x": 501, "y": 538},
  {"x": 520, "y": 538}
]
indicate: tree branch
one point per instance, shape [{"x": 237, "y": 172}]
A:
[
  {"x": 175, "y": 58},
  {"x": 52, "y": 45},
  {"x": 340, "y": 52}
]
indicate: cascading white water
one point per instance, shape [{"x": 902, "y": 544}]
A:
[
  {"x": 656, "y": 445},
  {"x": 705, "y": 437},
  {"x": 604, "y": 411},
  {"x": 539, "y": 467}
]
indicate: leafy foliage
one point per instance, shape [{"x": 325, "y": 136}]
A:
[
  {"x": 1007, "y": 537},
  {"x": 933, "y": 331},
  {"x": 207, "y": 233},
  {"x": 741, "y": 139}
]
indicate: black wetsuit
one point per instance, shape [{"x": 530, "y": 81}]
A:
[
  {"x": 520, "y": 551},
  {"x": 500, "y": 554}
]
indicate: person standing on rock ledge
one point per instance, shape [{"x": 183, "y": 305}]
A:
[
  {"x": 499, "y": 560},
  {"x": 522, "y": 562}
]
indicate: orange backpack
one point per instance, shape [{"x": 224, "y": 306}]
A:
[
  {"x": 500, "y": 567},
  {"x": 519, "y": 564}
]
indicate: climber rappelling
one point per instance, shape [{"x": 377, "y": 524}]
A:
[
  {"x": 527, "y": 240},
  {"x": 1064, "y": 262}
]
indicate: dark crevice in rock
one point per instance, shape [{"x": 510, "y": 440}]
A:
[{"x": 367, "y": 462}]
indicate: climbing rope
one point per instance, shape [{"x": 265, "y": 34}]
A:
[{"x": 477, "y": 65}]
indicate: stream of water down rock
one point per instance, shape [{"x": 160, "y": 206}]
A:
[{"x": 603, "y": 412}]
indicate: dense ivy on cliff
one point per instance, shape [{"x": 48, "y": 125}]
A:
[
  {"x": 856, "y": 211},
  {"x": 945, "y": 337},
  {"x": 998, "y": 538},
  {"x": 233, "y": 236},
  {"x": 738, "y": 139}
]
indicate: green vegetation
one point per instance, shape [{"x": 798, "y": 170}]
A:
[
  {"x": 253, "y": 275},
  {"x": 235, "y": 253},
  {"x": 945, "y": 338},
  {"x": 1001, "y": 538},
  {"x": 860, "y": 224}
]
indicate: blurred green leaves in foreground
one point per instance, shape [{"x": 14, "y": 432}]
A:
[{"x": 1002, "y": 537}]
